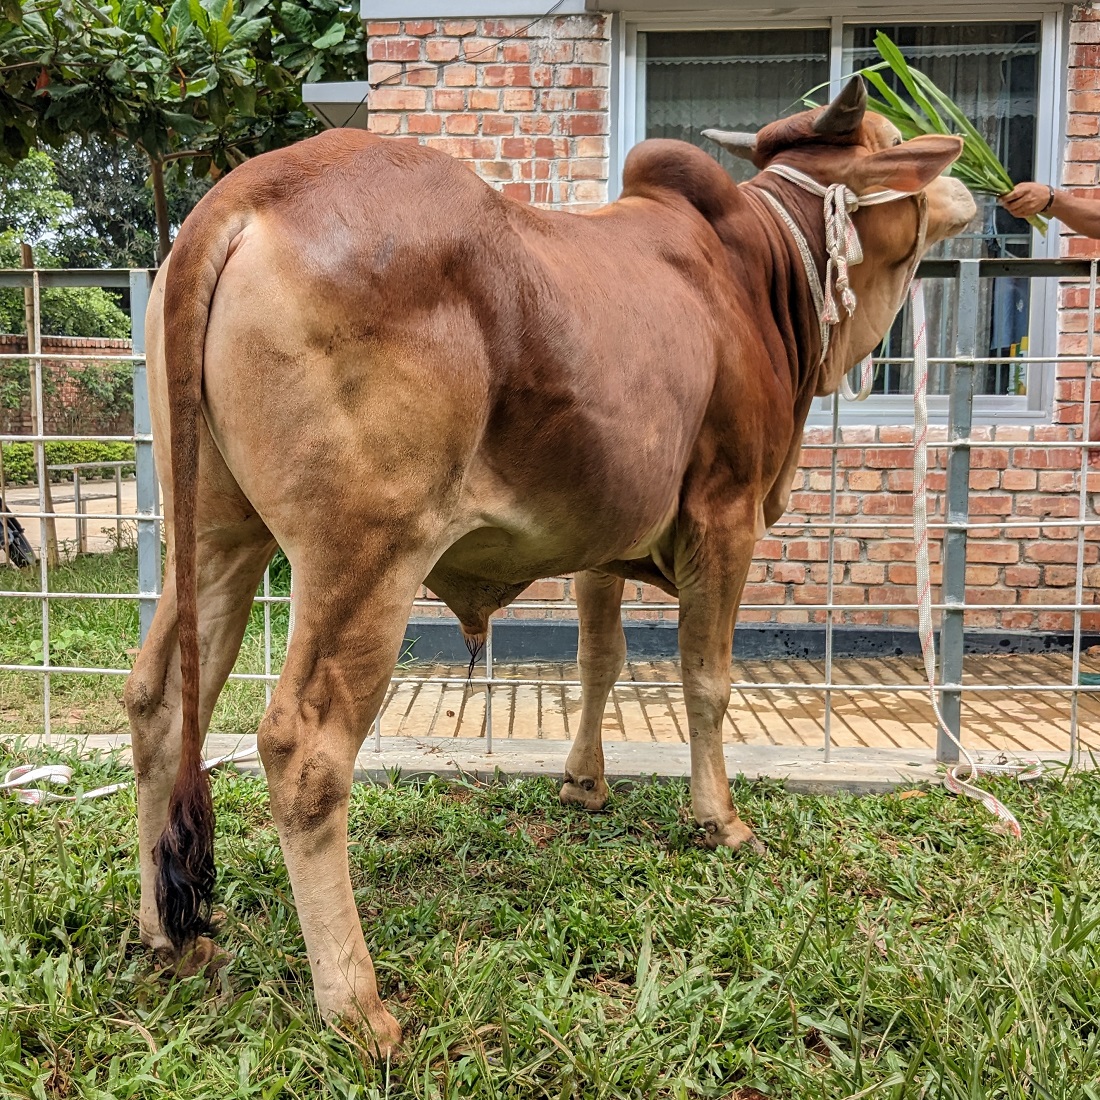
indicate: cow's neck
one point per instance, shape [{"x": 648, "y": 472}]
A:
[{"x": 789, "y": 288}]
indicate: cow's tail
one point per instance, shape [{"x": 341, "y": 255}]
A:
[{"x": 185, "y": 851}]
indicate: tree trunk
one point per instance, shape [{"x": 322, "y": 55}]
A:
[
  {"x": 30, "y": 309},
  {"x": 160, "y": 204}
]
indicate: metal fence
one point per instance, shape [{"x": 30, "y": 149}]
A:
[{"x": 954, "y": 527}]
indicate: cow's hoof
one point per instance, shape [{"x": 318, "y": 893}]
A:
[
  {"x": 203, "y": 957},
  {"x": 733, "y": 834},
  {"x": 379, "y": 1034},
  {"x": 586, "y": 792}
]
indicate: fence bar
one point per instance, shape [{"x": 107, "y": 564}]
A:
[
  {"x": 828, "y": 730},
  {"x": 957, "y": 511},
  {"x": 148, "y": 526},
  {"x": 1082, "y": 504},
  {"x": 81, "y": 543}
]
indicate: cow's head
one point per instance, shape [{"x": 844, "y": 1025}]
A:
[{"x": 845, "y": 143}]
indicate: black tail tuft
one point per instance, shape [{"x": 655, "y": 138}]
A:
[
  {"x": 475, "y": 646},
  {"x": 185, "y": 862}
]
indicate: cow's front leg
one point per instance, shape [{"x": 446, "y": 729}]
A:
[
  {"x": 710, "y": 591},
  {"x": 600, "y": 655}
]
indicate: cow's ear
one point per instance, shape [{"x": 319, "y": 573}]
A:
[{"x": 910, "y": 166}]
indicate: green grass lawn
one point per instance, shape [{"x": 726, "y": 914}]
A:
[
  {"x": 104, "y": 634},
  {"x": 882, "y": 947}
]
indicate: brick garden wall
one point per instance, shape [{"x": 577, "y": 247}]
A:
[
  {"x": 531, "y": 116},
  {"x": 69, "y": 408}
]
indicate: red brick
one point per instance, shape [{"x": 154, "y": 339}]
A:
[
  {"x": 536, "y": 124},
  {"x": 459, "y": 76},
  {"x": 465, "y": 148},
  {"x": 591, "y": 99},
  {"x": 393, "y": 49},
  {"x": 1046, "y": 506},
  {"x": 900, "y": 504},
  {"x": 516, "y": 52},
  {"x": 1005, "y": 553},
  {"x": 1060, "y": 576},
  {"x": 507, "y": 28},
  {"x": 1053, "y": 621},
  {"x": 757, "y": 573},
  {"x": 498, "y": 125},
  {"x": 398, "y": 99},
  {"x": 865, "y": 480},
  {"x": 578, "y": 124},
  {"x": 420, "y": 27},
  {"x": 883, "y": 459},
  {"x": 981, "y": 480},
  {"x": 764, "y": 593},
  {"x": 865, "y": 573},
  {"x": 818, "y": 550},
  {"x": 375, "y": 29},
  {"x": 379, "y": 72},
  {"x": 769, "y": 548},
  {"x": 991, "y": 504},
  {"x": 384, "y": 124},
  {"x": 461, "y": 124},
  {"x": 480, "y": 49},
  {"x": 1019, "y": 480},
  {"x": 981, "y": 574},
  {"x": 442, "y": 49},
  {"x": 517, "y": 147},
  {"x": 1042, "y": 458},
  {"x": 520, "y": 191},
  {"x": 555, "y": 52},
  {"x": 507, "y": 76},
  {"x": 986, "y": 458},
  {"x": 786, "y": 572},
  {"x": 484, "y": 99},
  {"x": 819, "y": 573},
  {"x": 423, "y": 76},
  {"x": 496, "y": 169},
  {"x": 425, "y": 124},
  {"x": 551, "y": 147},
  {"x": 594, "y": 53},
  {"x": 448, "y": 100},
  {"x": 461, "y": 27},
  {"x": 895, "y": 434}
]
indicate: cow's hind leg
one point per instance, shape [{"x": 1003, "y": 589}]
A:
[
  {"x": 710, "y": 591},
  {"x": 231, "y": 560},
  {"x": 349, "y": 625},
  {"x": 600, "y": 654}
]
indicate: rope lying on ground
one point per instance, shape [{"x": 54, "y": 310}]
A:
[
  {"x": 1027, "y": 768},
  {"x": 19, "y": 780}
]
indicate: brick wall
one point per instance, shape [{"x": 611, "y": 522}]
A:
[
  {"x": 68, "y": 408},
  {"x": 531, "y": 115}
]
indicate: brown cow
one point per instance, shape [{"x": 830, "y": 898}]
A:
[{"x": 362, "y": 353}]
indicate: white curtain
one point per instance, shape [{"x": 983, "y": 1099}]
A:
[{"x": 741, "y": 80}]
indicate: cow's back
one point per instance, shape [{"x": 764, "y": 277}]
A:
[{"x": 558, "y": 366}]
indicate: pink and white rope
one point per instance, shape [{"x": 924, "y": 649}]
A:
[{"x": 960, "y": 779}]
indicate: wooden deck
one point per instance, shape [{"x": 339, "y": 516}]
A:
[{"x": 1015, "y": 717}]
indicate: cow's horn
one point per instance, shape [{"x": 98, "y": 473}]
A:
[
  {"x": 845, "y": 113},
  {"x": 740, "y": 145}
]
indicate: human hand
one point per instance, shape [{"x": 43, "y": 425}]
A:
[{"x": 1026, "y": 199}]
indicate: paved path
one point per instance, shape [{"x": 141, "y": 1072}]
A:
[{"x": 97, "y": 499}]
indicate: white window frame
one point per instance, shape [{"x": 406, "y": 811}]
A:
[{"x": 628, "y": 128}]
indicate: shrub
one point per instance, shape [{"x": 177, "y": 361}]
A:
[{"x": 19, "y": 466}]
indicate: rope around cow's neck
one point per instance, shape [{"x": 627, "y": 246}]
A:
[{"x": 844, "y": 250}]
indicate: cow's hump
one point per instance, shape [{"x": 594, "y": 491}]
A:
[{"x": 661, "y": 164}]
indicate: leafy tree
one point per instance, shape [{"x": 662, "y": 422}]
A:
[
  {"x": 113, "y": 221},
  {"x": 35, "y": 209},
  {"x": 198, "y": 84}
]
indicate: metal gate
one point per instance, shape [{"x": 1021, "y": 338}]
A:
[{"x": 955, "y": 527}]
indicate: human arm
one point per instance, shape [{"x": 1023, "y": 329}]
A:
[{"x": 1080, "y": 215}]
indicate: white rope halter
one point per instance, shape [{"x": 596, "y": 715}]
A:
[{"x": 842, "y": 244}]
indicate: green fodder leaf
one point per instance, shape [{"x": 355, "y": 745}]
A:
[{"x": 900, "y": 68}]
